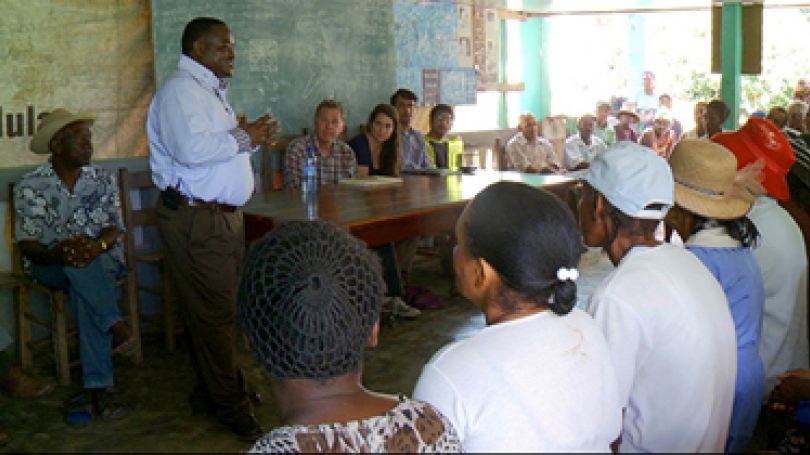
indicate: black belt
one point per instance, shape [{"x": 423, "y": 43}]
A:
[{"x": 211, "y": 205}]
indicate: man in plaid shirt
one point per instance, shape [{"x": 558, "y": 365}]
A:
[{"x": 335, "y": 158}]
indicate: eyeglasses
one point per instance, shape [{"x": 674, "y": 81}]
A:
[{"x": 445, "y": 118}]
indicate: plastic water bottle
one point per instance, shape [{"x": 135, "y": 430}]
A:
[{"x": 310, "y": 182}]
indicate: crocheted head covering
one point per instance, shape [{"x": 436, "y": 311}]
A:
[{"x": 309, "y": 298}]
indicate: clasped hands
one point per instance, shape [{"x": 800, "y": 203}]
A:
[
  {"x": 78, "y": 251},
  {"x": 262, "y": 130}
]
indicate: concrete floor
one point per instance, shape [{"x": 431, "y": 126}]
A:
[{"x": 160, "y": 419}]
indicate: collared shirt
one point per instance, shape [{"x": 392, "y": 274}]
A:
[
  {"x": 607, "y": 134},
  {"x": 340, "y": 164},
  {"x": 414, "y": 151},
  {"x": 46, "y": 211},
  {"x": 195, "y": 143},
  {"x": 577, "y": 151},
  {"x": 520, "y": 154}
]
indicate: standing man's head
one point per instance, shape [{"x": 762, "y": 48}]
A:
[
  {"x": 527, "y": 124},
  {"x": 586, "y": 126},
  {"x": 717, "y": 112},
  {"x": 602, "y": 112},
  {"x": 441, "y": 120},
  {"x": 778, "y": 116},
  {"x": 626, "y": 192},
  {"x": 329, "y": 121},
  {"x": 66, "y": 137},
  {"x": 404, "y": 100},
  {"x": 210, "y": 43},
  {"x": 648, "y": 81},
  {"x": 796, "y": 113},
  {"x": 665, "y": 101}
]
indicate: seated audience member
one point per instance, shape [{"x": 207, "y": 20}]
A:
[
  {"x": 664, "y": 315},
  {"x": 717, "y": 112},
  {"x": 660, "y": 137},
  {"x": 798, "y": 177},
  {"x": 529, "y": 152},
  {"x": 67, "y": 223},
  {"x": 554, "y": 129},
  {"x": 412, "y": 143},
  {"x": 700, "y": 122},
  {"x": 336, "y": 159},
  {"x": 784, "y": 344},
  {"x": 625, "y": 129},
  {"x": 538, "y": 377},
  {"x": 377, "y": 149},
  {"x": 309, "y": 304},
  {"x": 603, "y": 129},
  {"x": 581, "y": 148},
  {"x": 16, "y": 382},
  {"x": 778, "y": 116},
  {"x": 710, "y": 215},
  {"x": 665, "y": 102},
  {"x": 440, "y": 148}
]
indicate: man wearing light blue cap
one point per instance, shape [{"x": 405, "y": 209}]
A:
[{"x": 663, "y": 313}]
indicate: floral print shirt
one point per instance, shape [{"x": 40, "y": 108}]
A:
[
  {"x": 411, "y": 427},
  {"x": 46, "y": 211}
]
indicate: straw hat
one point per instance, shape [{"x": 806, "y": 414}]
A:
[
  {"x": 627, "y": 111},
  {"x": 760, "y": 140},
  {"x": 663, "y": 114},
  {"x": 51, "y": 124},
  {"x": 704, "y": 175}
]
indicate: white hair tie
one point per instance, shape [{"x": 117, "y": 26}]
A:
[{"x": 564, "y": 274}]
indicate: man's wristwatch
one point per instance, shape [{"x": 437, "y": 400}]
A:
[{"x": 103, "y": 244}]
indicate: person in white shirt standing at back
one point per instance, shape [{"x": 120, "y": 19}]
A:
[
  {"x": 528, "y": 151},
  {"x": 663, "y": 313}
]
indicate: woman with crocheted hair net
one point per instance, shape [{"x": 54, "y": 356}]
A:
[
  {"x": 538, "y": 377},
  {"x": 310, "y": 303}
]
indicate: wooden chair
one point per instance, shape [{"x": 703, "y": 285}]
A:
[
  {"x": 139, "y": 186},
  {"x": 61, "y": 339}
]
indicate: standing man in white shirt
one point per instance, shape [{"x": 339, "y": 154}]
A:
[
  {"x": 528, "y": 151},
  {"x": 664, "y": 315},
  {"x": 200, "y": 160},
  {"x": 583, "y": 147}
]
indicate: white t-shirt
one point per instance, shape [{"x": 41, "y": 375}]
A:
[
  {"x": 783, "y": 261},
  {"x": 539, "y": 383},
  {"x": 670, "y": 332}
]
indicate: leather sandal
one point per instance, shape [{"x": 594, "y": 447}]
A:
[
  {"x": 20, "y": 384},
  {"x": 109, "y": 404}
]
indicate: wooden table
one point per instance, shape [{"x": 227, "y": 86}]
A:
[{"x": 420, "y": 205}]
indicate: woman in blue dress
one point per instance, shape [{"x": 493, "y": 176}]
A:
[{"x": 709, "y": 213}]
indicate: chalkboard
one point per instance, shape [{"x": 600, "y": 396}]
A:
[{"x": 291, "y": 54}]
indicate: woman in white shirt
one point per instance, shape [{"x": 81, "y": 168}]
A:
[{"x": 539, "y": 376}]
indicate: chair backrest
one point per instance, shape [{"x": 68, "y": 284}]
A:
[
  {"x": 13, "y": 250},
  {"x": 138, "y": 199},
  {"x": 273, "y": 172}
]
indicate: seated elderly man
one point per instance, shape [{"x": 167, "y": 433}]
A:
[
  {"x": 527, "y": 151},
  {"x": 67, "y": 223},
  {"x": 583, "y": 147},
  {"x": 335, "y": 158}
]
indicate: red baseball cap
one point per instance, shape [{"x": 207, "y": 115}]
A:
[{"x": 759, "y": 139}]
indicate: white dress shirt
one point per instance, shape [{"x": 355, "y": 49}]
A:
[
  {"x": 195, "y": 143},
  {"x": 520, "y": 154},
  {"x": 577, "y": 151}
]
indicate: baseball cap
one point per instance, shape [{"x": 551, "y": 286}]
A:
[{"x": 631, "y": 177}]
